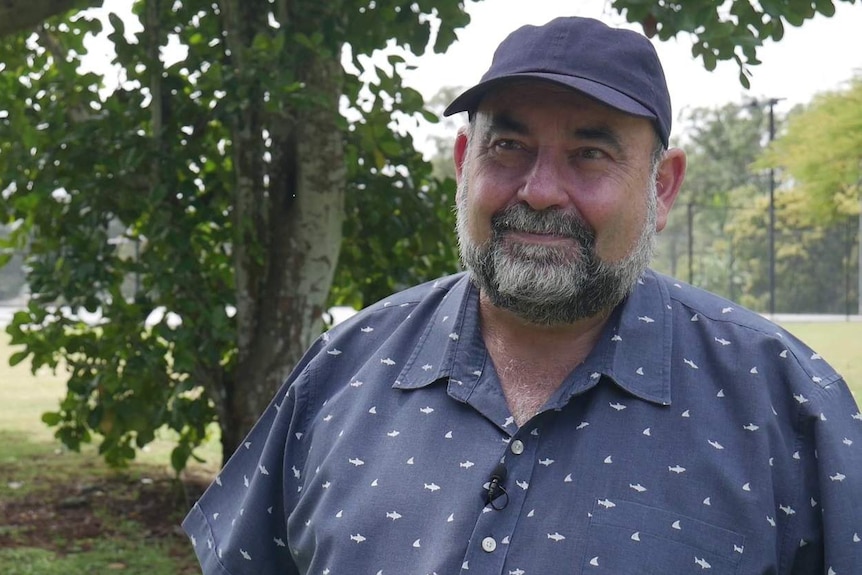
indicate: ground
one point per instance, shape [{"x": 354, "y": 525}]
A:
[{"x": 70, "y": 517}]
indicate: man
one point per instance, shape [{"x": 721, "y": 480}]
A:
[{"x": 559, "y": 408}]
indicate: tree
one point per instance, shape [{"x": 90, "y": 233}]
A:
[
  {"x": 721, "y": 145},
  {"x": 218, "y": 186},
  {"x": 199, "y": 208},
  {"x": 820, "y": 154},
  {"x": 724, "y": 30}
]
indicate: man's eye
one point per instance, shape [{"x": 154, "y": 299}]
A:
[
  {"x": 592, "y": 154},
  {"x": 507, "y": 145}
]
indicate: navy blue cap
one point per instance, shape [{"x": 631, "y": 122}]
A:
[{"x": 617, "y": 67}]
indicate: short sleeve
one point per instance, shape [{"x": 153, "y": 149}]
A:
[
  {"x": 239, "y": 524},
  {"x": 833, "y": 483}
]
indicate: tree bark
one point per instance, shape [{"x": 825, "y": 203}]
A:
[
  {"x": 289, "y": 225},
  {"x": 20, "y": 15}
]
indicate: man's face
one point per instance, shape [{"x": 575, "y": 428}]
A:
[{"x": 557, "y": 205}]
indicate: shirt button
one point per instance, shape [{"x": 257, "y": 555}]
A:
[
  {"x": 517, "y": 447},
  {"x": 488, "y": 544}
]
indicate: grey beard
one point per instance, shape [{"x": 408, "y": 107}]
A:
[{"x": 549, "y": 285}]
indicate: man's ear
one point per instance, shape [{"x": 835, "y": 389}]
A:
[
  {"x": 459, "y": 152},
  {"x": 671, "y": 173}
]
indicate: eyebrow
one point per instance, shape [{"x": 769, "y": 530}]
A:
[{"x": 504, "y": 122}]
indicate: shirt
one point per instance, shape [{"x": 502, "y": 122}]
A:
[{"x": 696, "y": 437}]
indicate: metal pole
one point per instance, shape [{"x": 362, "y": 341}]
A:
[
  {"x": 691, "y": 243},
  {"x": 772, "y": 102}
]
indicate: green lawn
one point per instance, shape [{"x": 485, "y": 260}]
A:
[
  {"x": 840, "y": 344},
  {"x": 64, "y": 513}
]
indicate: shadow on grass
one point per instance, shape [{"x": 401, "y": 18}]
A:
[{"x": 68, "y": 513}]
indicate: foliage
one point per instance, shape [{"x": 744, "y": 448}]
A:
[
  {"x": 721, "y": 222},
  {"x": 724, "y": 30},
  {"x": 127, "y": 202},
  {"x": 821, "y": 154},
  {"x": 721, "y": 144}
]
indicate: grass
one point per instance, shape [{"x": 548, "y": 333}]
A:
[
  {"x": 838, "y": 343},
  {"x": 65, "y": 513}
]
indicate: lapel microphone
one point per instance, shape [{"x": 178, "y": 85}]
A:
[{"x": 495, "y": 487}]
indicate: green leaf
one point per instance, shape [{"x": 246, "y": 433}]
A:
[
  {"x": 51, "y": 418},
  {"x": 18, "y": 357}
]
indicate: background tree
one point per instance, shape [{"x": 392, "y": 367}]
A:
[
  {"x": 230, "y": 171},
  {"x": 820, "y": 153},
  {"x": 200, "y": 207},
  {"x": 721, "y": 144}
]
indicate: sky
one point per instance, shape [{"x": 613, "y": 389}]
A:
[{"x": 819, "y": 56}]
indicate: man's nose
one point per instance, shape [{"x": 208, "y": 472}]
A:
[{"x": 545, "y": 186}]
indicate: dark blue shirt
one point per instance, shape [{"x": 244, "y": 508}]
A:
[{"x": 697, "y": 437}]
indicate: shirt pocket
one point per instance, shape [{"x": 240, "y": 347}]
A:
[{"x": 627, "y": 538}]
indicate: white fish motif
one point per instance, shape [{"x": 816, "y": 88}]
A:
[
  {"x": 722, "y": 341},
  {"x": 751, "y": 427},
  {"x": 690, "y": 363},
  {"x": 556, "y": 536},
  {"x": 677, "y": 469},
  {"x": 715, "y": 444},
  {"x": 618, "y": 406},
  {"x": 638, "y": 487},
  {"x": 426, "y": 410},
  {"x": 646, "y": 319},
  {"x": 466, "y": 464},
  {"x": 607, "y": 503},
  {"x": 387, "y": 361},
  {"x": 393, "y": 515},
  {"x": 358, "y": 538},
  {"x": 279, "y": 542},
  {"x": 356, "y": 461},
  {"x": 546, "y": 462},
  {"x": 702, "y": 563},
  {"x": 432, "y": 487}
]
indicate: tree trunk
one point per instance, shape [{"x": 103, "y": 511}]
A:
[
  {"x": 289, "y": 226},
  {"x": 20, "y": 15}
]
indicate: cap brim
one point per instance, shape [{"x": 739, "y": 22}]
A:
[{"x": 469, "y": 100}]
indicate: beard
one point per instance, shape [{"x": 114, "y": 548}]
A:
[{"x": 551, "y": 285}]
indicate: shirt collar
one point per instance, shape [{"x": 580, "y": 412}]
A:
[
  {"x": 635, "y": 348},
  {"x": 633, "y": 351}
]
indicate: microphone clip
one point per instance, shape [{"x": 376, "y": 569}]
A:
[{"x": 495, "y": 488}]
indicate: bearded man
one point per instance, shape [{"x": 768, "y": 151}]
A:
[{"x": 557, "y": 408}]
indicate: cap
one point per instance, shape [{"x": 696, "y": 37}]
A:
[{"x": 617, "y": 67}]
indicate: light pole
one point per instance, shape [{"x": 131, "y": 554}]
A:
[{"x": 770, "y": 103}]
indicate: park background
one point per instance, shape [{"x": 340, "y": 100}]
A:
[{"x": 67, "y": 512}]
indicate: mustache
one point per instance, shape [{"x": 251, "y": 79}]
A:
[{"x": 522, "y": 218}]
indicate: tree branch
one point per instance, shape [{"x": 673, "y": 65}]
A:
[{"x": 19, "y": 15}]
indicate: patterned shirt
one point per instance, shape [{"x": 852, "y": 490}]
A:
[{"x": 696, "y": 437}]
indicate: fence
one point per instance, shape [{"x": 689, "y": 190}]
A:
[{"x": 815, "y": 269}]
